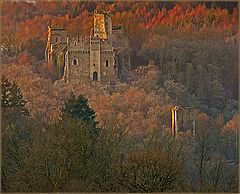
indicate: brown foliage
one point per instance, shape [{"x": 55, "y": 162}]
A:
[{"x": 134, "y": 109}]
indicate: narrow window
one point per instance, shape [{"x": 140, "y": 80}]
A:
[
  {"x": 56, "y": 39},
  {"x": 74, "y": 61},
  {"x": 106, "y": 63},
  {"x": 95, "y": 76},
  {"x": 94, "y": 64}
]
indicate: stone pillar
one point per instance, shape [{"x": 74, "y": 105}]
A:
[
  {"x": 66, "y": 73},
  {"x": 129, "y": 61},
  {"x": 174, "y": 121},
  {"x": 194, "y": 128}
]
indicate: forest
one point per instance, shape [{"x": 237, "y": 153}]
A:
[{"x": 81, "y": 138}]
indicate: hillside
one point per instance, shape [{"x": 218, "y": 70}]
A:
[{"x": 182, "y": 54}]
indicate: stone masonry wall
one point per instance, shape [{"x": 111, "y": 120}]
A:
[
  {"x": 95, "y": 65},
  {"x": 79, "y": 72},
  {"x": 93, "y": 57},
  {"x": 108, "y": 69}
]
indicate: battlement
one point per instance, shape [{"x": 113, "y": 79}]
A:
[
  {"x": 95, "y": 39},
  {"x": 103, "y": 12},
  {"x": 56, "y": 28},
  {"x": 81, "y": 43}
]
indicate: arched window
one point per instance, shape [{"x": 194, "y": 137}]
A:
[
  {"x": 56, "y": 39},
  {"x": 95, "y": 76},
  {"x": 75, "y": 62},
  {"x": 106, "y": 63}
]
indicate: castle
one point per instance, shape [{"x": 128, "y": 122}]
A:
[{"x": 98, "y": 57}]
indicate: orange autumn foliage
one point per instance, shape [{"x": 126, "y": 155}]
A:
[
  {"x": 29, "y": 20},
  {"x": 133, "y": 109}
]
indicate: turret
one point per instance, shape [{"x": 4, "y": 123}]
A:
[{"x": 102, "y": 25}]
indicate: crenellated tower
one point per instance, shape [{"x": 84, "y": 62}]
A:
[{"x": 101, "y": 50}]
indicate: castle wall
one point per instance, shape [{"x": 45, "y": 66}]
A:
[
  {"x": 185, "y": 117},
  {"x": 108, "y": 67},
  {"x": 106, "y": 45},
  {"x": 108, "y": 26},
  {"x": 57, "y": 35},
  {"x": 119, "y": 39},
  {"x": 79, "y": 44},
  {"x": 78, "y": 65},
  {"x": 95, "y": 64},
  {"x": 88, "y": 58},
  {"x": 95, "y": 60}
]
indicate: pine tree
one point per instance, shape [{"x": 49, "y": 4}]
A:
[
  {"x": 78, "y": 108},
  {"x": 5, "y": 88},
  {"x": 12, "y": 97}
]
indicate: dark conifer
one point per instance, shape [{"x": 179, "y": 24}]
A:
[
  {"x": 5, "y": 90},
  {"x": 76, "y": 107},
  {"x": 12, "y": 97}
]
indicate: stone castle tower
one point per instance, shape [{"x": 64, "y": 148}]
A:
[{"x": 93, "y": 58}]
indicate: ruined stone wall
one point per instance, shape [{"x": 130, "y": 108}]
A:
[
  {"x": 119, "y": 39},
  {"x": 108, "y": 26},
  {"x": 57, "y": 35},
  {"x": 99, "y": 25},
  {"x": 108, "y": 67},
  {"x": 102, "y": 25},
  {"x": 185, "y": 117},
  {"x": 78, "y": 65}
]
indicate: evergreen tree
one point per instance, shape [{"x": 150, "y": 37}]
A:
[
  {"x": 12, "y": 97},
  {"x": 5, "y": 88},
  {"x": 77, "y": 107}
]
